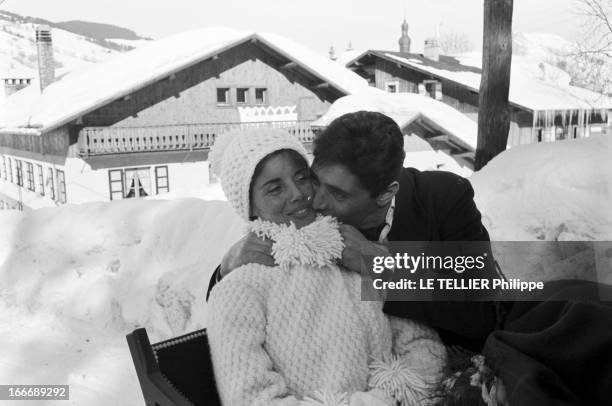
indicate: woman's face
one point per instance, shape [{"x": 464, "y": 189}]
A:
[{"x": 281, "y": 191}]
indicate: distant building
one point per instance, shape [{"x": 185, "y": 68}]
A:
[
  {"x": 404, "y": 41},
  {"x": 14, "y": 81},
  {"x": 142, "y": 123},
  {"x": 540, "y": 111}
]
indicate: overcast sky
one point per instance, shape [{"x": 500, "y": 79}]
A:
[{"x": 369, "y": 24}]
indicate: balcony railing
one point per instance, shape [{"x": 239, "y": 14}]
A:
[{"x": 117, "y": 140}]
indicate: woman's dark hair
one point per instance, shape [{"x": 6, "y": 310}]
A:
[
  {"x": 295, "y": 157},
  {"x": 369, "y": 144}
]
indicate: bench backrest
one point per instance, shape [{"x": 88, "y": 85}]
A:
[{"x": 175, "y": 372}]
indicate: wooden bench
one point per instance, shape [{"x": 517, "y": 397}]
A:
[{"x": 174, "y": 372}]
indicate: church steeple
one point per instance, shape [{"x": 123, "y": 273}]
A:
[{"x": 404, "y": 41}]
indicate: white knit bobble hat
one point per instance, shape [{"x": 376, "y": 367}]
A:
[{"x": 235, "y": 155}]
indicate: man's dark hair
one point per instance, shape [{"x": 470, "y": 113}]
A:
[{"x": 369, "y": 144}]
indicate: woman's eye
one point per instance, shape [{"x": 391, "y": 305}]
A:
[{"x": 274, "y": 190}]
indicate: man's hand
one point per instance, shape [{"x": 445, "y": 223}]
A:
[
  {"x": 249, "y": 249},
  {"x": 355, "y": 246}
]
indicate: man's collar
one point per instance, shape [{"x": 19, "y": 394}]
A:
[{"x": 381, "y": 231}]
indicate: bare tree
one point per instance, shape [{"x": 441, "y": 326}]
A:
[
  {"x": 493, "y": 106},
  {"x": 455, "y": 43},
  {"x": 590, "y": 66}
]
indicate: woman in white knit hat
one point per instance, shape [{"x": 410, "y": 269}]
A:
[{"x": 299, "y": 333}]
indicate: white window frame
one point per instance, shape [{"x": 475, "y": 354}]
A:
[
  {"x": 136, "y": 189},
  {"x": 19, "y": 167},
  {"x": 61, "y": 186},
  {"x": 437, "y": 88},
  {"x": 246, "y": 95},
  {"x": 395, "y": 83},
  {"x": 41, "y": 179},
  {"x": 265, "y": 96},
  {"x": 227, "y": 96},
  {"x": 51, "y": 182},
  {"x": 30, "y": 176}
]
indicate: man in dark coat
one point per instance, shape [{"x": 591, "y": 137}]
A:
[{"x": 360, "y": 179}]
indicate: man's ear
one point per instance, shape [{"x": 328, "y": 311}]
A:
[{"x": 386, "y": 195}]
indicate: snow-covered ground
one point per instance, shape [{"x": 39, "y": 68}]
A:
[{"x": 75, "y": 279}]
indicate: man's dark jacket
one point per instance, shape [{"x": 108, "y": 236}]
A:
[{"x": 439, "y": 206}]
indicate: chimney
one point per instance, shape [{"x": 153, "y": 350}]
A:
[
  {"x": 12, "y": 85},
  {"x": 332, "y": 53},
  {"x": 46, "y": 65},
  {"x": 404, "y": 41},
  {"x": 432, "y": 49}
]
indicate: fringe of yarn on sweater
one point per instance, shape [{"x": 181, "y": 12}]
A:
[{"x": 317, "y": 244}]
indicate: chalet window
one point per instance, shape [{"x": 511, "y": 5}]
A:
[
  {"x": 161, "y": 180},
  {"x": 19, "y": 166},
  {"x": 3, "y": 171},
  {"x": 30, "y": 176},
  {"x": 392, "y": 87},
  {"x": 10, "y": 169},
  {"x": 261, "y": 95},
  {"x": 61, "y": 186},
  {"x": 242, "y": 95},
  {"x": 137, "y": 183},
  {"x": 223, "y": 95},
  {"x": 51, "y": 183},
  {"x": 41, "y": 180},
  {"x": 115, "y": 182},
  {"x": 433, "y": 89}
]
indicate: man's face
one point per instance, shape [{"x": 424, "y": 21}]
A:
[{"x": 339, "y": 193}]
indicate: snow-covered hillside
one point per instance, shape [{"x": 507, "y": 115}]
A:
[
  {"x": 71, "y": 51},
  {"x": 75, "y": 279}
]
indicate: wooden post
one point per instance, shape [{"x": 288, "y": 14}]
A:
[{"x": 494, "y": 110}]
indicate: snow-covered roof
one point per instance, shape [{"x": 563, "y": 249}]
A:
[
  {"x": 91, "y": 87},
  {"x": 18, "y": 73},
  {"x": 405, "y": 108},
  {"x": 525, "y": 91},
  {"x": 349, "y": 56}
]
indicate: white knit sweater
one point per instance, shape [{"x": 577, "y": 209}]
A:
[{"x": 278, "y": 334}]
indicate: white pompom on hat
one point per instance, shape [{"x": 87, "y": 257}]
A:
[{"x": 235, "y": 155}]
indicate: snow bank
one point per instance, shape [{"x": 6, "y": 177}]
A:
[
  {"x": 557, "y": 194},
  {"x": 548, "y": 191},
  {"x": 75, "y": 279}
]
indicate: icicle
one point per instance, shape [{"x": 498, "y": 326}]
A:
[{"x": 534, "y": 120}]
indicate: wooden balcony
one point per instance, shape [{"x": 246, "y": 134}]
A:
[{"x": 117, "y": 140}]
